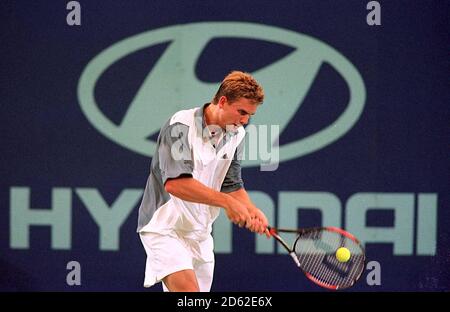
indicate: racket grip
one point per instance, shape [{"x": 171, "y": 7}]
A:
[{"x": 271, "y": 230}]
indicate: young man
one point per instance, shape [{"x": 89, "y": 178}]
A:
[{"x": 195, "y": 172}]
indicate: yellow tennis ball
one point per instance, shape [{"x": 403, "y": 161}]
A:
[{"x": 343, "y": 254}]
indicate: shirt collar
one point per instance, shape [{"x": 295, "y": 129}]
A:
[{"x": 202, "y": 127}]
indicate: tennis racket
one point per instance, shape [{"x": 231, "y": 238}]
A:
[{"x": 315, "y": 251}]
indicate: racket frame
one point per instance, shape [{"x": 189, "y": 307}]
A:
[{"x": 274, "y": 232}]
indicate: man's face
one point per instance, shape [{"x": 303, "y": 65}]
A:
[{"x": 237, "y": 113}]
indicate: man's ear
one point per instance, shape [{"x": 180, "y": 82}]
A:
[{"x": 222, "y": 101}]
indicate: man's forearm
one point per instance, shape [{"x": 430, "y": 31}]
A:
[
  {"x": 190, "y": 189},
  {"x": 260, "y": 225},
  {"x": 242, "y": 196}
]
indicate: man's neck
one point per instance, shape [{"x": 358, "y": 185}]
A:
[{"x": 210, "y": 115}]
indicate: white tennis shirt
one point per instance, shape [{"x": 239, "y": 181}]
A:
[{"x": 184, "y": 147}]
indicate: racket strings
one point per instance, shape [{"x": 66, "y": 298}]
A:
[{"x": 316, "y": 251}]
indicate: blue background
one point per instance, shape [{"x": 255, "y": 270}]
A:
[{"x": 399, "y": 144}]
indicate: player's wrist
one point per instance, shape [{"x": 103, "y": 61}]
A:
[{"x": 227, "y": 201}]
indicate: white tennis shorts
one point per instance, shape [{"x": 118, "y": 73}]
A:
[{"x": 167, "y": 254}]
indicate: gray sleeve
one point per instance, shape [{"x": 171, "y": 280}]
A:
[
  {"x": 175, "y": 157},
  {"x": 233, "y": 179}
]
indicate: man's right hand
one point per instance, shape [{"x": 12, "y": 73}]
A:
[{"x": 237, "y": 212}]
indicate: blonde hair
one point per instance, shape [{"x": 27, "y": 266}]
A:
[{"x": 237, "y": 85}]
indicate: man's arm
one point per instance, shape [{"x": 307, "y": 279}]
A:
[
  {"x": 259, "y": 221},
  {"x": 190, "y": 189},
  {"x": 233, "y": 185}
]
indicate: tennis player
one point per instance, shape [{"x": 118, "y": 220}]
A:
[{"x": 194, "y": 173}]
